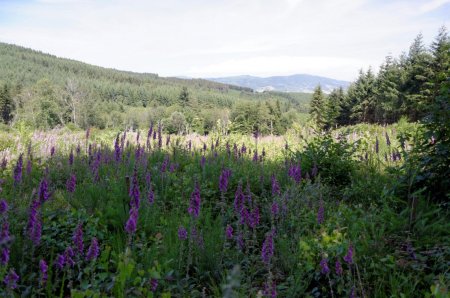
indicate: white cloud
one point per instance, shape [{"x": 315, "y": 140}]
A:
[{"x": 203, "y": 37}]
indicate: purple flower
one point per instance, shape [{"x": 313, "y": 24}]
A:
[
  {"x": 153, "y": 284},
  {"x": 4, "y": 163},
  {"x": 321, "y": 213},
  {"x": 348, "y": 258},
  {"x": 4, "y": 256},
  {"x": 255, "y": 156},
  {"x": 295, "y": 172},
  {"x": 388, "y": 140},
  {"x": 164, "y": 164},
  {"x": 182, "y": 233},
  {"x": 43, "y": 192},
  {"x": 254, "y": 218},
  {"x": 60, "y": 262},
  {"x": 194, "y": 204},
  {"x": 43, "y": 268},
  {"x": 377, "y": 145},
  {"x": 197, "y": 237},
  {"x": 134, "y": 191},
  {"x": 71, "y": 183},
  {"x": 34, "y": 223},
  {"x": 68, "y": 256},
  {"x": 93, "y": 250},
  {"x": 270, "y": 290},
  {"x": 18, "y": 169},
  {"x": 71, "y": 157},
  {"x": 11, "y": 279},
  {"x": 78, "y": 239},
  {"x": 4, "y": 232},
  {"x": 352, "y": 293},
  {"x": 3, "y": 206},
  {"x": 275, "y": 186},
  {"x": 202, "y": 161},
  {"x": 223, "y": 180},
  {"x": 240, "y": 241},
  {"x": 239, "y": 199},
  {"x": 275, "y": 209},
  {"x": 324, "y": 266},
  {"x": 229, "y": 232},
  {"x": 267, "y": 248},
  {"x": 52, "y": 151},
  {"x": 117, "y": 149},
  {"x": 151, "y": 196},
  {"x": 130, "y": 226},
  {"x": 338, "y": 268}
]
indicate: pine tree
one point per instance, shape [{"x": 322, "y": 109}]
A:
[
  {"x": 416, "y": 88},
  {"x": 387, "y": 92},
  {"x": 184, "y": 97},
  {"x": 317, "y": 110},
  {"x": 333, "y": 108},
  {"x": 440, "y": 50}
]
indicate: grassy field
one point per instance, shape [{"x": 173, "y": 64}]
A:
[{"x": 140, "y": 214}]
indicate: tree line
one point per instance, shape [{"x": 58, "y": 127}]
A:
[
  {"x": 404, "y": 87},
  {"x": 43, "y": 91}
]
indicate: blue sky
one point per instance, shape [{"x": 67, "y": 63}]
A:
[{"x": 205, "y": 38}]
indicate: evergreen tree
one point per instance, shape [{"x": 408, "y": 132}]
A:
[
  {"x": 440, "y": 51},
  {"x": 363, "y": 98},
  {"x": 333, "y": 108},
  {"x": 184, "y": 97},
  {"x": 318, "y": 107},
  {"x": 387, "y": 92},
  {"x": 416, "y": 88},
  {"x": 6, "y": 104}
]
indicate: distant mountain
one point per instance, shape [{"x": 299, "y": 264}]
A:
[{"x": 293, "y": 83}]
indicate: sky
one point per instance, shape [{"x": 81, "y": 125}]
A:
[{"x": 213, "y": 38}]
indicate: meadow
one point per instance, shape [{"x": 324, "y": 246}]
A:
[{"x": 139, "y": 213}]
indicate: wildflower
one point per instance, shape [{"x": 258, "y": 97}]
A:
[
  {"x": 275, "y": 209},
  {"x": 229, "y": 232},
  {"x": 255, "y": 156},
  {"x": 377, "y": 145},
  {"x": 324, "y": 266},
  {"x": 88, "y": 132},
  {"x": 151, "y": 196},
  {"x": 130, "y": 226},
  {"x": 270, "y": 290},
  {"x": 338, "y": 268},
  {"x": 134, "y": 191},
  {"x": 182, "y": 233},
  {"x": 60, "y": 262},
  {"x": 194, "y": 205},
  {"x": 11, "y": 279},
  {"x": 117, "y": 150},
  {"x": 348, "y": 258},
  {"x": 164, "y": 164},
  {"x": 295, "y": 172},
  {"x": 275, "y": 186},
  {"x": 202, "y": 161},
  {"x": 68, "y": 256},
  {"x": 239, "y": 199},
  {"x": 267, "y": 248},
  {"x": 52, "y": 151},
  {"x": 388, "y": 140},
  {"x": 71, "y": 157},
  {"x": 4, "y": 256},
  {"x": 321, "y": 213},
  {"x": 34, "y": 225},
  {"x": 315, "y": 169},
  {"x": 43, "y": 192},
  {"x": 3, "y": 206},
  {"x": 93, "y": 250},
  {"x": 18, "y": 169},
  {"x": 153, "y": 284},
  {"x": 71, "y": 183},
  {"x": 223, "y": 180},
  {"x": 240, "y": 241},
  {"x": 254, "y": 218},
  {"x": 4, "y": 233},
  {"x": 43, "y": 268},
  {"x": 352, "y": 293},
  {"x": 78, "y": 239}
]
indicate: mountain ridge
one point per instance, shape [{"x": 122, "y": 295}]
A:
[{"x": 289, "y": 83}]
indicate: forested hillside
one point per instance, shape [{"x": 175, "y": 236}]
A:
[{"x": 45, "y": 91}]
